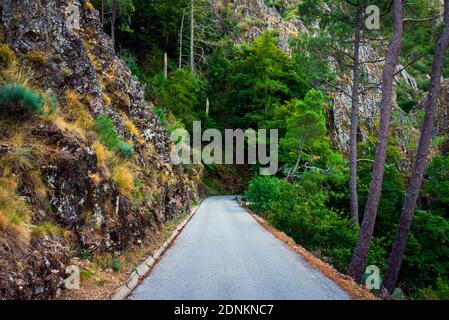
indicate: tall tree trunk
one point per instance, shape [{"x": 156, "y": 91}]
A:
[
  {"x": 113, "y": 18},
  {"x": 405, "y": 222},
  {"x": 353, "y": 197},
  {"x": 357, "y": 265},
  {"x": 181, "y": 39},
  {"x": 102, "y": 13},
  {"x": 192, "y": 42}
]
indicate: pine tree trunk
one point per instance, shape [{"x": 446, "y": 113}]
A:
[
  {"x": 192, "y": 42},
  {"x": 357, "y": 265},
  {"x": 353, "y": 197},
  {"x": 405, "y": 222},
  {"x": 113, "y": 18}
]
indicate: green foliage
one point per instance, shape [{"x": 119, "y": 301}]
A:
[
  {"x": 427, "y": 251},
  {"x": 126, "y": 150},
  {"x": 183, "y": 95},
  {"x": 133, "y": 65},
  {"x": 436, "y": 185},
  {"x": 117, "y": 265},
  {"x": 440, "y": 293},
  {"x": 108, "y": 136},
  {"x": 300, "y": 211},
  {"x": 256, "y": 76},
  {"x": 107, "y": 132},
  {"x": 263, "y": 191},
  {"x": 407, "y": 97},
  {"x": 393, "y": 187},
  {"x": 306, "y": 126},
  {"x": 20, "y": 101}
]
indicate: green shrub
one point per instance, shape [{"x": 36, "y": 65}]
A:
[
  {"x": 436, "y": 186},
  {"x": 427, "y": 254},
  {"x": 126, "y": 150},
  {"x": 108, "y": 136},
  {"x": 107, "y": 133},
  {"x": 441, "y": 292},
  {"x": 20, "y": 101},
  {"x": 263, "y": 191},
  {"x": 117, "y": 265},
  {"x": 304, "y": 216},
  {"x": 300, "y": 210}
]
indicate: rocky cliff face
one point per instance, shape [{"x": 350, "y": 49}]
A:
[
  {"x": 255, "y": 17},
  {"x": 81, "y": 195}
]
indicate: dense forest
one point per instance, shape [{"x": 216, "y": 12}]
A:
[
  {"x": 365, "y": 186},
  {"x": 255, "y": 84}
]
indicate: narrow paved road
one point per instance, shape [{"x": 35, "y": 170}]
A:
[{"x": 224, "y": 254}]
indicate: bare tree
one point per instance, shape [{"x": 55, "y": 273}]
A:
[
  {"x": 357, "y": 265},
  {"x": 181, "y": 39},
  {"x": 405, "y": 222},
  {"x": 192, "y": 38}
]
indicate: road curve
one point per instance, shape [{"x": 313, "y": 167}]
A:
[{"x": 224, "y": 254}]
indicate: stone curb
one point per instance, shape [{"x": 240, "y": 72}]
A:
[{"x": 144, "y": 268}]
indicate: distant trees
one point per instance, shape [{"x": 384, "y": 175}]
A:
[
  {"x": 117, "y": 8},
  {"x": 258, "y": 77}
]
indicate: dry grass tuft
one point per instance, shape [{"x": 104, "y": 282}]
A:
[
  {"x": 124, "y": 179},
  {"x": 133, "y": 129},
  {"x": 89, "y": 6},
  {"x": 77, "y": 111},
  {"x": 7, "y": 56},
  {"x": 96, "y": 178},
  {"x": 107, "y": 100},
  {"x": 3, "y": 221},
  {"x": 37, "y": 56},
  {"x": 14, "y": 212},
  {"x": 62, "y": 124},
  {"x": 104, "y": 156},
  {"x": 12, "y": 70},
  {"x": 45, "y": 229}
]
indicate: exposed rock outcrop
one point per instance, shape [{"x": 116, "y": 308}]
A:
[{"x": 82, "y": 197}]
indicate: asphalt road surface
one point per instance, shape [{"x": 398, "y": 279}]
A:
[{"x": 224, "y": 254}]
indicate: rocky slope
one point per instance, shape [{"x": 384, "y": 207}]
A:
[{"x": 77, "y": 197}]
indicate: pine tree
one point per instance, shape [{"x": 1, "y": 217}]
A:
[
  {"x": 357, "y": 265},
  {"x": 397, "y": 253}
]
